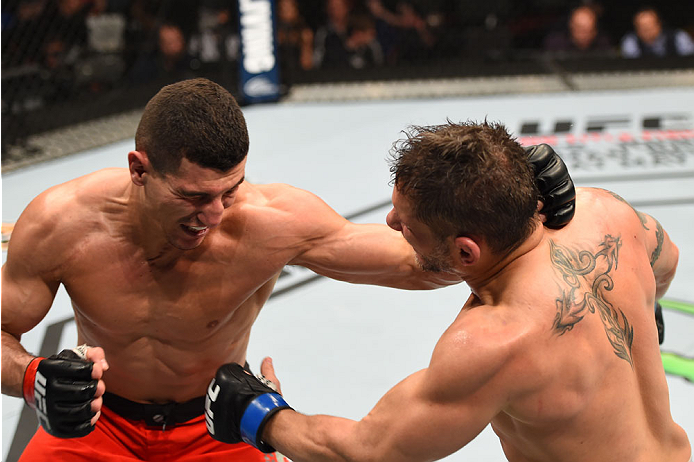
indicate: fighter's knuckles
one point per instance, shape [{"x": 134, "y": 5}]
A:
[
  {"x": 540, "y": 156},
  {"x": 95, "y": 354}
]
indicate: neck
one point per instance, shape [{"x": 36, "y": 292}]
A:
[
  {"x": 484, "y": 278},
  {"x": 146, "y": 233}
]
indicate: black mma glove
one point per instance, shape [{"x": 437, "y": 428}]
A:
[
  {"x": 555, "y": 185},
  {"x": 61, "y": 389},
  {"x": 238, "y": 405},
  {"x": 660, "y": 324}
]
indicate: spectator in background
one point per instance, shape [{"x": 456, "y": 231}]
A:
[
  {"x": 363, "y": 48},
  {"x": 64, "y": 45},
  {"x": 650, "y": 38},
  {"x": 347, "y": 39},
  {"x": 295, "y": 40},
  {"x": 216, "y": 38},
  {"x": 170, "y": 59},
  {"x": 330, "y": 48},
  {"x": 405, "y": 33},
  {"x": 581, "y": 37}
]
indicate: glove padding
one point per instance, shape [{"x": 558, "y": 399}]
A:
[
  {"x": 659, "y": 322},
  {"x": 238, "y": 405},
  {"x": 555, "y": 185},
  {"x": 61, "y": 390}
]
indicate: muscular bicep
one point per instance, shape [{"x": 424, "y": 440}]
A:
[
  {"x": 29, "y": 276},
  {"x": 334, "y": 247},
  {"x": 362, "y": 253}
]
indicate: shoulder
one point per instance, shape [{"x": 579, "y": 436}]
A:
[
  {"x": 607, "y": 207},
  {"x": 597, "y": 200},
  {"x": 683, "y": 42},
  {"x": 630, "y": 46},
  {"x": 284, "y": 207},
  {"x": 478, "y": 349},
  {"x": 58, "y": 218},
  {"x": 69, "y": 206},
  {"x": 280, "y": 198}
]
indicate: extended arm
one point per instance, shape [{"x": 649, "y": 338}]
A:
[
  {"x": 427, "y": 416},
  {"x": 375, "y": 254}
]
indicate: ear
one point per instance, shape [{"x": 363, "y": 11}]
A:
[
  {"x": 468, "y": 250},
  {"x": 139, "y": 166}
]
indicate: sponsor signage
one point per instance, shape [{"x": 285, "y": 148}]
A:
[{"x": 259, "y": 63}]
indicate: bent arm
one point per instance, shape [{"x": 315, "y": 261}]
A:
[{"x": 29, "y": 285}]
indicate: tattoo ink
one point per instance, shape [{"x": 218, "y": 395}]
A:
[
  {"x": 659, "y": 236},
  {"x": 587, "y": 269}
]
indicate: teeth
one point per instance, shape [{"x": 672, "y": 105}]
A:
[{"x": 197, "y": 228}]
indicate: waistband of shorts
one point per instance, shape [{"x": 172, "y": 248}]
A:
[{"x": 157, "y": 415}]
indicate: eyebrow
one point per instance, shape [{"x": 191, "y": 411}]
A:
[{"x": 186, "y": 193}]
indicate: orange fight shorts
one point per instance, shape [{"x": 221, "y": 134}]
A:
[{"x": 117, "y": 439}]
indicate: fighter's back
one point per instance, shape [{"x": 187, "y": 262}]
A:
[{"x": 587, "y": 369}]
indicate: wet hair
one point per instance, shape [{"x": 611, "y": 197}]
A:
[
  {"x": 469, "y": 179},
  {"x": 194, "y": 119}
]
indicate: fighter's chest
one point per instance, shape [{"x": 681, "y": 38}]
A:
[{"x": 127, "y": 288}]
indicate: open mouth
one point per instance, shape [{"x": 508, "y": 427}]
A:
[{"x": 195, "y": 231}]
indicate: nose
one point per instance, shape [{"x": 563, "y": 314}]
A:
[
  {"x": 211, "y": 213},
  {"x": 393, "y": 221}
]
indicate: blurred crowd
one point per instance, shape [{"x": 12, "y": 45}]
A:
[{"x": 98, "y": 43}]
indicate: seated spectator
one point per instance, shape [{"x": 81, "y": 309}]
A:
[
  {"x": 216, "y": 38},
  {"x": 582, "y": 36},
  {"x": 363, "y": 49},
  {"x": 650, "y": 38},
  {"x": 329, "y": 47},
  {"x": 347, "y": 39},
  {"x": 294, "y": 37},
  {"x": 404, "y": 33},
  {"x": 170, "y": 59}
]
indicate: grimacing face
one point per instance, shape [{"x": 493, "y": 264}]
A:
[
  {"x": 431, "y": 253},
  {"x": 189, "y": 204}
]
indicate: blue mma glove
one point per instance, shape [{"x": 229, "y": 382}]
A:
[
  {"x": 238, "y": 406},
  {"x": 555, "y": 185}
]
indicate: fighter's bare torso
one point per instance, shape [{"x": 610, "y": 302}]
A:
[
  {"x": 585, "y": 364},
  {"x": 167, "y": 322}
]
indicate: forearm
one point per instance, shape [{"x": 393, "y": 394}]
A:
[
  {"x": 14, "y": 362},
  {"x": 314, "y": 438}
]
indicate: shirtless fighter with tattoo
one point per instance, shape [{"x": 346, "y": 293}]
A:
[
  {"x": 168, "y": 263},
  {"x": 556, "y": 346}
]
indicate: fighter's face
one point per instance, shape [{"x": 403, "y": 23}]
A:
[
  {"x": 191, "y": 203},
  {"x": 431, "y": 253}
]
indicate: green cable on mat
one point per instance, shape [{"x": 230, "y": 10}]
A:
[
  {"x": 683, "y": 307},
  {"x": 675, "y": 364}
]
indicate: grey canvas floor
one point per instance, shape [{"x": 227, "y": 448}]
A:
[{"x": 339, "y": 347}]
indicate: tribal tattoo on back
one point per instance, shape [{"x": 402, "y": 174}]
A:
[{"x": 593, "y": 269}]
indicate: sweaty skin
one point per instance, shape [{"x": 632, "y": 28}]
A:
[
  {"x": 170, "y": 304},
  {"x": 556, "y": 348}
]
